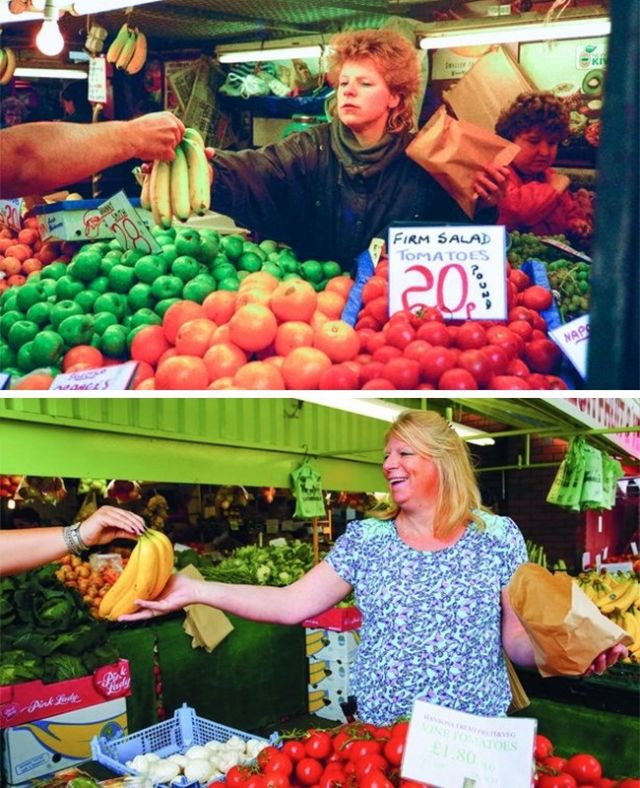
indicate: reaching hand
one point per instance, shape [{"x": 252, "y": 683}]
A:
[
  {"x": 606, "y": 660},
  {"x": 108, "y": 523},
  {"x": 155, "y": 136},
  {"x": 490, "y": 183},
  {"x": 179, "y": 592}
]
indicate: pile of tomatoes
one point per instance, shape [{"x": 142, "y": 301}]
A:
[
  {"x": 579, "y": 770},
  {"x": 358, "y": 755}
]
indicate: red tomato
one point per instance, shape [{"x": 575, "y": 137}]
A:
[
  {"x": 386, "y": 353},
  {"x": 562, "y": 780},
  {"x": 519, "y": 279},
  {"x": 382, "y": 733},
  {"x": 371, "y": 371},
  {"x": 295, "y": 750},
  {"x": 400, "y": 334},
  {"x": 470, "y": 336},
  {"x": 255, "y": 781},
  {"x": 275, "y": 780},
  {"x": 501, "y": 335},
  {"x": 308, "y": 771},
  {"x": 416, "y": 349},
  {"x": 436, "y": 361},
  {"x": 318, "y": 745},
  {"x": 508, "y": 383},
  {"x": 628, "y": 783},
  {"x": 374, "y": 779},
  {"x": 364, "y": 747},
  {"x": 543, "y": 748},
  {"x": 435, "y": 333},
  {"x": 333, "y": 778},
  {"x": 554, "y": 762},
  {"x": 394, "y": 749},
  {"x": 237, "y": 775},
  {"x": 518, "y": 368},
  {"x": 604, "y": 782},
  {"x": 584, "y": 767},
  {"x": 521, "y": 327},
  {"x": 541, "y": 355},
  {"x": 537, "y": 297},
  {"x": 368, "y": 763},
  {"x": 538, "y": 381},
  {"x": 403, "y": 372},
  {"x": 497, "y": 357},
  {"x": 277, "y": 763},
  {"x": 458, "y": 379},
  {"x": 340, "y": 741},
  {"x": 400, "y": 729},
  {"x": 477, "y": 363}
]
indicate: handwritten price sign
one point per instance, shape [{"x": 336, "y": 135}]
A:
[
  {"x": 459, "y": 270},
  {"x": 10, "y": 214},
  {"x": 122, "y": 219},
  {"x": 573, "y": 340},
  {"x": 115, "y": 378}
]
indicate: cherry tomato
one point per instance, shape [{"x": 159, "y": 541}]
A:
[
  {"x": 318, "y": 745},
  {"x": 308, "y": 771},
  {"x": 471, "y": 336},
  {"x": 399, "y": 730},
  {"x": 255, "y": 781},
  {"x": 562, "y": 780},
  {"x": 628, "y": 783},
  {"x": 543, "y": 748},
  {"x": 333, "y": 778},
  {"x": 275, "y": 780},
  {"x": 585, "y": 768},
  {"x": 374, "y": 779},
  {"x": 364, "y": 747},
  {"x": 394, "y": 749},
  {"x": 367, "y": 763},
  {"x": 554, "y": 762},
  {"x": 237, "y": 775},
  {"x": 276, "y": 764},
  {"x": 383, "y": 733},
  {"x": 294, "y": 749}
]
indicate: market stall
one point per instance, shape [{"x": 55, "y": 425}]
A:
[{"x": 256, "y": 679}]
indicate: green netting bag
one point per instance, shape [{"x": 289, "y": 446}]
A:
[
  {"x": 592, "y": 495},
  {"x": 307, "y": 488},
  {"x": 612, "y": 473},
  {"x": 566, "y": 487}
]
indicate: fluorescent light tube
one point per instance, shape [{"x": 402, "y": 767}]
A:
[
  {"x": 50, "y": 73},
  {"x": 503, "y": 34},
  {"x": 389, "y": 411},
  {"x": 276, "y": 53},
  {"x": 100, "y": 6}
]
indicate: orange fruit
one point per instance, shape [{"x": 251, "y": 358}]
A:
[
  {"x": 253, "y": 327},
  {"x": 82, "y": 354},
  {"x": 262, "y": 279},
  {"x": 220, "y": 305},
  {"x": 179, "y": 313},
  {"x": 194, "y": 337},
  {"x": 182, "y": 373},
  {"x": 223, "y": 359},
  {"x": 338, "y": 340},
  {"x": 292, "y": 334},
  {"x": 148, "y": 384},
  {"x": 149, "y": 344},
  {"x": 253, "y": 295},
  {"x": 34, "y": 381},
  {"x": 258, "y": 375},
  {"x": 339, "y": 284},
  {"x": 294, "y": 300},
  {"x": 143, "y": 372},
  {"x": 303, "y": 367},
  {"x": 28, "y": 236},
  {"x": 221, "y": 383},
  {"x": 331, "y": 303}
]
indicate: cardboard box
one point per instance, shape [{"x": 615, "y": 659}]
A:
[
  {"x": 78, "y": 220},
  {"x": 325, "y": 704},
  {"x": 329, "y": 675},
  {"x": 338, "y": 619},
  {"x": 41, "y": 747},
  {"x": 323, "y": 644},
  {"x": 33, "y": 700}
]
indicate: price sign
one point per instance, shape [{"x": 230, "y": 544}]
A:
[
  {"x": 11, "y": 214},
  {"x": 573, "y": 339},
  {"x": 458, "y": 269},
  {"x": 451, "y": 748},
  {"x": 123, "y": 220},
  {"x": 116, "y": 378},
  {"x": 97, "y": 93}
]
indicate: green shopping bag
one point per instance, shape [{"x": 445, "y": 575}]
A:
[
  {"x": 612, "y": 473},
  {"x": 307, "y": 489},
  {"x": 566, "y": 487},
  {"x": 592, "y": 495}
]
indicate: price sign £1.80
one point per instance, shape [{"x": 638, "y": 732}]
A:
[
  {"x": 123, "y": 220},
  {"x": 458, "y": 269}
]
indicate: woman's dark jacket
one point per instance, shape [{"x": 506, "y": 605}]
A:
[{"x": 307, "y": 192}]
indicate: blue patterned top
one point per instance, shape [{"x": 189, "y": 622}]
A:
[{"x": 431, "y": 618}]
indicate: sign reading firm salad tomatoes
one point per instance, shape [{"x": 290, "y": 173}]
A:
[{"x": 458, "y": 269}]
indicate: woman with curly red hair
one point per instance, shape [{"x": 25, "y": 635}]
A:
[{"x": 327, "y": 191}]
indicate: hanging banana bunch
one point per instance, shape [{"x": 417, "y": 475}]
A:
[
  {"x": 181, "y": 187},
  {"x": 128, "y": 50},
  {"x": 7, "y": 65}
]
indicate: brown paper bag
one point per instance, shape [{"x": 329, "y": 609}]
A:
[
  {"x": 453, "y": 151},
  {"x": 207, "y": 625},
  {"x": 565, "y": 627}
]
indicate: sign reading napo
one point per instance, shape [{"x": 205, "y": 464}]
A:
[{"x": 458, "y": 269}]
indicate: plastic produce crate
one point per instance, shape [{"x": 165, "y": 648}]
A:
[{"x": 166, "y": 738}]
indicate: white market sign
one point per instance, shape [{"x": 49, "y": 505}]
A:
[{"x": 458, "y": 269}]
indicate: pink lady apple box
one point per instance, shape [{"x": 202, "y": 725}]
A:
[{"x": 33, "y": 700}]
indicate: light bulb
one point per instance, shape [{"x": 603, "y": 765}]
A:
[
  {"x": 38, "y": 5},
  {"x": 49, "y": 40}
]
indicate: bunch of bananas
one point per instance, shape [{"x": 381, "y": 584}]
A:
[
  {"x": 617, "y": 597},
  {"x": 179, "y": 187},
  {"x": 145, "y": 575},
  {"x": 7, "y": 65},
  {"x": 128, "y": 50}
]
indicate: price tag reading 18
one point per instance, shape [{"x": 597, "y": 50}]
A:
[
  {"x": 123, "y": 220},
  {"x": 458, "y": 269}
]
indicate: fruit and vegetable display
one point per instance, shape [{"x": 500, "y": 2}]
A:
[{"x": 48, "y": 632}]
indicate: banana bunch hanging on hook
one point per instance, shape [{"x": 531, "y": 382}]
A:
[
  {"x": 7, "y": 65},
  {"x": 128, "y": 50}
]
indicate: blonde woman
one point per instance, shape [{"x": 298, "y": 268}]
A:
[
  {"x": 329, "y": 190},
  {"x": 429, "y": 580}
]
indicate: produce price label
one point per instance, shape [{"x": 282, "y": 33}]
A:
[
  {"x": 573, "y": 339},
  {"x": 122, "y": 219},
  {"x": 97, "y": 80},
  {"x": 458, "y": 750},
  {"x": 458, "y": 269},
  {"x": 115, "y": 378},
  {"x": 11, "y": 213}
]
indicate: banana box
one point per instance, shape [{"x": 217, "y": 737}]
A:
[
  {"x": 33, "y": 700},
  {"x": 329, "y": 675},
  {"x": 326, "y": 704},
  {"x": 323, "y": 644},
  {"x": 34, "y": 749}
]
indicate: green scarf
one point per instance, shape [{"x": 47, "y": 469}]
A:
[{"x": 358, "y": 160}]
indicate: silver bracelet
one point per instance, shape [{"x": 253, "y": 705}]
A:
[{"x": 73, "y": 540}]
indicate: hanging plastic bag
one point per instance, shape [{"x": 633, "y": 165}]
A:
[
  {"x": 612, "y": 472},
  {"x": 566, "y": 488},
  {"x": 88, "y": 507},
  {"x": 307, "y": 489},
  {"x": 592, "y": 495}
]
